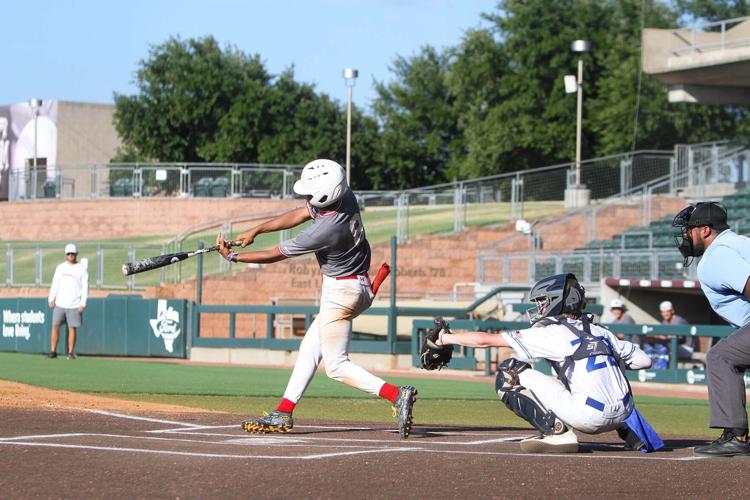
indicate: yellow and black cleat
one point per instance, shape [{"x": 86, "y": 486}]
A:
[
  {"x": 276, "y": 421},
  {"x": 402, "y": 408}
]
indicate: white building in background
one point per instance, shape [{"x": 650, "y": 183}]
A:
[{"x": 67, "y": 134}]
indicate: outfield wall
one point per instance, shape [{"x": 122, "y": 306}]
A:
[{"x": 123, "y": 325}]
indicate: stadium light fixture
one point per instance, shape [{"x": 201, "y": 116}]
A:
[
  {"x": 35, "y": 104},
  {"x": 350, "y": 77},
  {"x": 578, "y": 46}
]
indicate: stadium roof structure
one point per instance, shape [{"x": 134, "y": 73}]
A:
[{"x": 707, "y": 64}]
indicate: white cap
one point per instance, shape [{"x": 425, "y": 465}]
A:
[
  {"x": 616, "y": 304},
  {"x": 666, "y": 306},
  {"x": 70, "y": 248}
]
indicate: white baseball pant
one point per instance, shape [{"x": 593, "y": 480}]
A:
[
  {"x": 328, "y": 338},
  {"x": 571, "y": 407}
]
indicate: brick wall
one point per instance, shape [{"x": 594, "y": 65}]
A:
[{"x": 102, "y": 219}]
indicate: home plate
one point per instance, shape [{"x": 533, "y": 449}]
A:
[{"x": 265, "y": 440}]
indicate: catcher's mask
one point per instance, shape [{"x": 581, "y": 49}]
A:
[
  {"x": 555, "y": 295},
  {"x": 708, "y": 213}
]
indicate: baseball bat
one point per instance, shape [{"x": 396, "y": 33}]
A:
[{"x": 151, "y": 263}]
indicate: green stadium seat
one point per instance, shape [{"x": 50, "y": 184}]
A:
[
  {"x": 202, "y": 188},
  {"x": 50, "y": 189},
  {"x": 121, "y": 187},
  {"x": 220, "y": 187}
]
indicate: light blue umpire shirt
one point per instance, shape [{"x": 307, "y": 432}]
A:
[{"x": 723, "y": 271}]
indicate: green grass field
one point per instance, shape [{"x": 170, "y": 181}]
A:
[
  {"x": 380, "y": 223},
  {"x": 245, "y": 390}
]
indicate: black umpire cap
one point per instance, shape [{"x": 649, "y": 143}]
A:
[{"x": 708, "y": 213}]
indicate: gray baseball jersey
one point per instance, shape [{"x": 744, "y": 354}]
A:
[{"x": 337, "y": 237}]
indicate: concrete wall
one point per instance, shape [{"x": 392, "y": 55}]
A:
[{"x": 86, "y": 134}]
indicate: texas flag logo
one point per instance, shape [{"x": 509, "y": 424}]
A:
[{"x": 166, "y": 325}]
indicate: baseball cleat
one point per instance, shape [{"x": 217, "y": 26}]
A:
[
  {"x": 567, "y": 442},
  {"x": 402, "y": 408},
  {"x": 276, "y": 421}
]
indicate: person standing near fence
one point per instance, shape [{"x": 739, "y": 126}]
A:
[
  {"x": 337, "y": 237},
  {"x": 724, "y": 273},
  {"x": 67, "y": 298}
]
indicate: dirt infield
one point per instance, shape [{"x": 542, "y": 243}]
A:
[{"x": 50, "y": 448}]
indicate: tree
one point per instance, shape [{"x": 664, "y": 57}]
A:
[
  {"x": 419, "y": 126},
  {"x": 713, "y": 10},
  {"x": 185, "y": 90}
]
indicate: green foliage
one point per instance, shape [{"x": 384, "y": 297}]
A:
[
  {"x": 419, "y": 124},
  {"x": 185, "y": 90},
  {"x": 494, "y": 103},
  {"x": 713, "y": 10},
  {"x": 197, "y": 101}
]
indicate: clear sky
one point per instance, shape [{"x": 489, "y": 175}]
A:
[{"x": 85, "y": 50}]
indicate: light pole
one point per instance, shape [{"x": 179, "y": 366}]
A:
[
  {"x": 579, "y": 46},
  {"x": 578, "y": 194},
  {"x": 350, "y": 77},
  {"x": 35, "y": 104}
]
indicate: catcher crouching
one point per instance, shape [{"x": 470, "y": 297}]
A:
[{"x": 590, "y": 393}]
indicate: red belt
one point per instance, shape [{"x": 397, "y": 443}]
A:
[
  {"x": 353, "y": 277},
  {"x": 383, "y": 273}
]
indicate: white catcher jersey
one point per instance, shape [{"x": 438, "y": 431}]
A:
[{"x": 597, "y": 377}]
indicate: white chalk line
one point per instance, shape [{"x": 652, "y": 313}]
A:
[
  {"x": 133, "y": 417},
  {"x": 345, "y": 453},
  {"x": 190, "y": 432},
  {"x": 201, "y": 454},
  {"x": 192, "y": 427}
]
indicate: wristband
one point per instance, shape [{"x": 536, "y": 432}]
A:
[{"x": 231, "y": 257}]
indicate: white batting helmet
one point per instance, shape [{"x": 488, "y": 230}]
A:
[{"x": 324, "y": 181}]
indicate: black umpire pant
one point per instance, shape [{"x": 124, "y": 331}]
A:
[{"x": 726, "y": 363}]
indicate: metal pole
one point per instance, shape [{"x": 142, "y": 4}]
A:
[
  {"x": 578, "y": 122},
  {"x": 348, "y": 133},
  {"x": 392, "y": 313}
]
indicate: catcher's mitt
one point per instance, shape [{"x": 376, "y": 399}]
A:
[{"x": 432, "y": 355}]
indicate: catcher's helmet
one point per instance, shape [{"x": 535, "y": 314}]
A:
[
  {"x": 323, "y": 181},
  {"x": 555, "y": 295}
]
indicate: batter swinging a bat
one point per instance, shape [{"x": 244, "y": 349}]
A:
[
  {"x": 589, "y": 394},
  {"x": 337, "y": 237}
]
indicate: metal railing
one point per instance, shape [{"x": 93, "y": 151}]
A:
[
  {"x": 711, "y": 36},
  {"x": 590, "y": 266},
  {"x": 155, "y": 180},
  {"x": 33, "y": 265}
]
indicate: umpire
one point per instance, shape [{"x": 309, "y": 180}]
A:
[{"x": 724, "y": 273}]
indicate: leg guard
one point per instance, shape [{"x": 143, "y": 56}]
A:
[
  {"x": 507, "y": 374},
  {"x": 632, "y": 441},
  {"x": 524, "y": 404}
]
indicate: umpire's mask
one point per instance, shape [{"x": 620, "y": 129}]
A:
[{"x": 708, "y": 213}]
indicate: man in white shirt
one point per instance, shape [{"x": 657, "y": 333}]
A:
[{"x": 67, "y": 298}]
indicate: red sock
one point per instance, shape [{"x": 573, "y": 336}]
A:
[
  {"x": 389, "y": 392},
  {"x": 286, "y": 406}
]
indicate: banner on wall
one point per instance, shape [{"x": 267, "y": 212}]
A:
[
  {"x": 20, "y": 136},
  {"x": 114, "y": 326}
]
